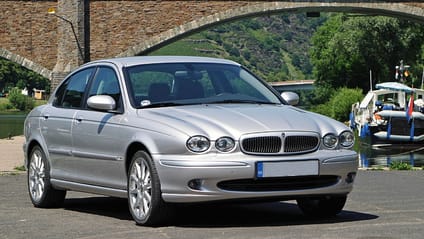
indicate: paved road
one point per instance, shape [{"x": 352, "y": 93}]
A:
[{"x": 384, "y": 204}]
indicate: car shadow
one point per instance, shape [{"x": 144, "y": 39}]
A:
[
  {"x": 257, "y": 215},
  {"x": 217, "y": 215},
  {"x": 99, "y": 205}
]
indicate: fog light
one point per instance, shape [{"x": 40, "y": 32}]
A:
[
  {"x": 195, "y": 184},
  {"x": 350, "y": 177}
]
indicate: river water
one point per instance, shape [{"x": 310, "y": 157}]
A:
[
  {"x": 13, "y": 124},
  {"x": 384, "y": 155}
]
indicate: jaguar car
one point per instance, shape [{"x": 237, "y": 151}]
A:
[{"x": 168, "y": 130}]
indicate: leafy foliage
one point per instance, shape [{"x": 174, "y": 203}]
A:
[
  {"x": 13, "y": 75},
  {"x": 20, "y": 101},
  {"x": 273, "y": 47},
  {"x": 5, "y": 105},
  {"x": 346, "y": 48},
  {"x": 399, "y": 165},
  {"x": 339, "y": 104}
]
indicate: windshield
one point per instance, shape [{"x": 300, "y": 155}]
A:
[{"x": 170, "y": 84}]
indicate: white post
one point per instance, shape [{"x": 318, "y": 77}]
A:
[
  {"x": 370, "y": 80},
  {"x": 422, "y": 79}
]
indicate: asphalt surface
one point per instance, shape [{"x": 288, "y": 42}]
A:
[{"x": 383, "y": 204}]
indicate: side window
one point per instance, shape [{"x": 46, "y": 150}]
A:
[
  {"x": 106, "y": 82},
  {"x": 71, "y": 92}
]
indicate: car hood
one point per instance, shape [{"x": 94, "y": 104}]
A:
[{"x": 217, "y": 120}]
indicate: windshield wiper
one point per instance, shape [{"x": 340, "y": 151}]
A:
[
  {"x": 165, "y": 104},
  {"x": 160, "y": 104},
  {"x": 242, "y": 102}
]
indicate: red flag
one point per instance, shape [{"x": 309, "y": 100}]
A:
[{"x": 410, "y": 106}]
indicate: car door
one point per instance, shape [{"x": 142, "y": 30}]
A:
[
  {"x": 98, "y": 137},
  {"x": 57, "y": 119}
]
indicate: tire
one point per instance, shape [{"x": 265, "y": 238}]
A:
[
  {"x": 322, "y": 207},
  {"x": 144, "y": 194},
  {"x": 41, "y": 192}
]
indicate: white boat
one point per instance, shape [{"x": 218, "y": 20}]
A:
[{"x": 390, "y": 114}]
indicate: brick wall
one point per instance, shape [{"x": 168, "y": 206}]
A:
[
  {"x": 26, "y": 29},
  {"x": 118, "y": 25}
]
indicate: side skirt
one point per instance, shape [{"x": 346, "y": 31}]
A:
[{"x": 67, "y": 185}]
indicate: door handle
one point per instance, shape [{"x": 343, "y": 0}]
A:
[
  {"x": 45, "y": 117},
  {"x": 79, "y": 119}
]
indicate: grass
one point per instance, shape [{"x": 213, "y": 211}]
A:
[
  {"x": 377, "y": 168},
  {"x": 194, "y": 46},
  {"x": 400, "y": 166},
  {"x": 5, "y": 106},
  {"x": 20, "y": 168}
]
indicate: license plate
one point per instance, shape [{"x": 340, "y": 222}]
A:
[{"x": 286, "y": 168}]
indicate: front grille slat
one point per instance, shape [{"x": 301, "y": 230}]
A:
[{"x": 281, "y": 143}]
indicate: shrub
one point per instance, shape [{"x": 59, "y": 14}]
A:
[
  {"x": 4, "y": 105},
  {"x": 20, "y": 101},
  {"x": 400, "y": 166},
  {"x": 341, "y": 102}
]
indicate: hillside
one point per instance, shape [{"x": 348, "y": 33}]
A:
[{"x": 274, "y": 47}]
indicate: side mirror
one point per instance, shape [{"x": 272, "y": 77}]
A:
[
  {"x": 290, "y": 97},
  {"x": 101, "y": 102}
]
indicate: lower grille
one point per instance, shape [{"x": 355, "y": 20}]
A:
[{"x": 279, "y": 184}]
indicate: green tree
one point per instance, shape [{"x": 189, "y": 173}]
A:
[
  {"x": 14, "y": 75},
  {"x": 346, "y": 48},
  {"x": 20, "y": 101},
  {"x": 340, "y": 104}
]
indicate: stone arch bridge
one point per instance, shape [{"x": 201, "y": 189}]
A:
[{"x": 84, "y": 30}]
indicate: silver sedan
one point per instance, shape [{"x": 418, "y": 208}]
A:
[{"x": 166, "y": 130}]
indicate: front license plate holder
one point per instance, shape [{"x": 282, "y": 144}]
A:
[{"x": 287, "y": 168}]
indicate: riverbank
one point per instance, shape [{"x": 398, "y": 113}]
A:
[{"x": 11, "y": 153}]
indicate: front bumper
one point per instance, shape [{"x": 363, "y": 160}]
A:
[{"x": 211, "y": 177}]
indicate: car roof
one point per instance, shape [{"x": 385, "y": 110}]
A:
[{"x": 137, "y": 60}]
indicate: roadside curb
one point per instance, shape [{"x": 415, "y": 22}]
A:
[{"x": 6, "y": 173}]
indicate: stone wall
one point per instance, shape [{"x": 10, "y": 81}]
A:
[
  {"x": 128, "y": 27},
  {"x": 118, "y": 25},
  {"x": 27, "y": 30}
]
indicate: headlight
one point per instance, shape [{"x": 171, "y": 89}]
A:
[
  {"x": 225, "y": 144},
  {"x": 330, "y": 141},
  {"x": 347, "y": 139},
  {"x": 198, "y": 144}
]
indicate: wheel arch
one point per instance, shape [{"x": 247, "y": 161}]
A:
[
  {"x": 29, "y": 148},
  {"x": 131, "y": 150}
]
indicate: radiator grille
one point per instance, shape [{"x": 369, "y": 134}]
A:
[
  {"x": 280, "y": 143},
  {"x": 266, "y": 144},
  {"x": 294, "y": 144}
]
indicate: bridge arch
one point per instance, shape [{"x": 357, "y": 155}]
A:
[
  {"x": 399, "y": 10},
  {"x": 25, "y": 63}
]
